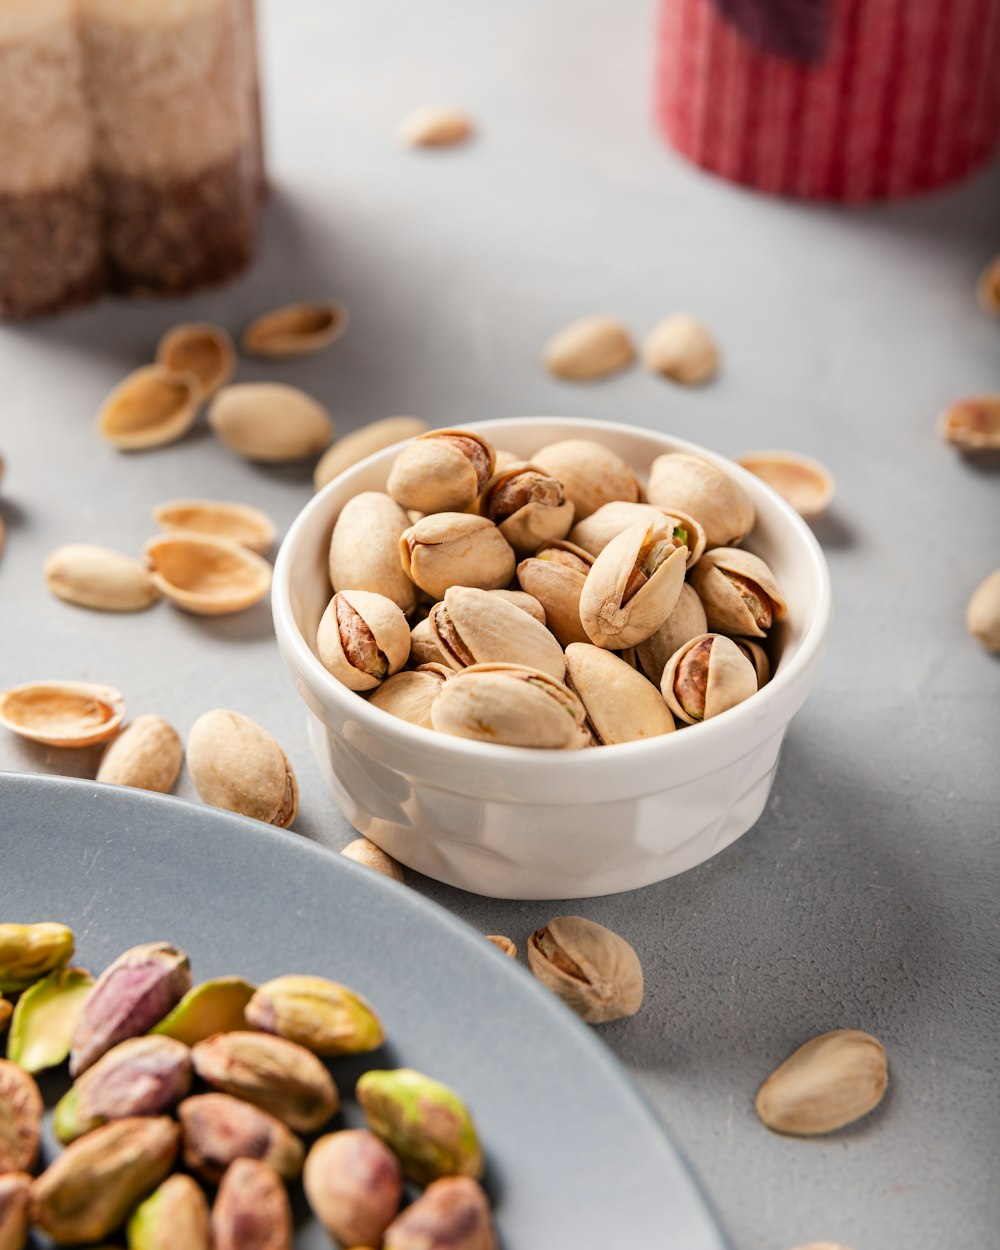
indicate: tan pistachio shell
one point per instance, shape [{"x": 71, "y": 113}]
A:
[
  {"x": 207, "y": 576},
  {"x": 295, "y": 330},
  {"x": 591, "y": 473},
  {"x": 503, "y": 943},
  {"x": 378, "y": 631},
  {"x": 358, "y": 444},
  {"x": 622, "y": 706},
  {"x": 828, "y": 1082},
  {"x": 473, "y": 627},
  {"x": 456, "y": 549},
  {"x": 595, "y": 532},
  {"x": 434, "y": 126},
  {"x": 555, "y": 576},
  {"x": 730, "y": 678},
  {"x": 592, "y": 347},
  {"x": 544, "y": 516},
  {"x": 521, "y": 599},
  {"x": 63, "y": 713},
  {"x": 725, "y": 607},
  {"x": 505, "y": 458},
  {"x": 593, "y": 970},
  {"x": 685, "y": 622},
  {"x": 238, "y": 766},
  {"x": 217, "y": 518},
  {"x": 366, "y": 853},
  {"x": 146, "y": 755},
  {"x": 681, "y": 348},
  {"x": 758, "y": 657},
  {"x": 364, "y": 549},
  {"x": 411, "y": 695},
  {"x": 511, "y": 705},
  {"x": 800, "y": 480},
  {"x": 988, "y": 288},
  {"x": 269, "y": 422},
  {"x": 973, "y": 424},
  {"x": 151, "y": 407},
  {"x": 434, "y": 473},
  {"x": 423, "y": 645},
  {"x": 201, "y": 349},
  {"x": 611, "y": 620},
  {"x": 983, "y": 613},
  {"x": 95, "y": 577},
  {"x": 704, "y": 491}
]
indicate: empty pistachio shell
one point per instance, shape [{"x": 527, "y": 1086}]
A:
[
  {"x": 15, "y": 1188},
  {"x": 94, "y": 577},
  {"x": 217, "y": 518},
  {"x": 29, "y": 951},
  {"x": 20, "y": 1118},
  {"x": 451, "y": 1214},
  {"x": 708, "y": 675},
  {"x": 364, "y": 549},
  {"x": 973, "y": 424},
  {"x": 685, "y": 622},
  {"x": 219, "y": 1129},
  {"x": 555, "y": 576},
  {"x": 207, "y": 576},
  {"x": 511, "y": 705},
  {"x": 270, "y": 422},
  {"x": 595, "y": 532},
  {"x": 441, "y": 471},
  {"x": 456, "y": 549},
  {"x": 524, "y": 601},
  {"x": 151, "y": 407},
  {"x": 201, "y": 349},
  {"x": 705, "y": 492},
  {"x": 472, "y": 627},
  {"x": 354, "y": 1186},
  {"x": 362, "y": 639},
  {"x": 633, "y": 586},
  {"x": 622, "y": 706},
  {"x": 63, "y": 713},
  {"x": 361, "y": 851},
  {"x": 803, "y": 482},
  {"x": 173, "y": 1216},
  {"x": 529, "y": 506},
  {"x": 252, "y": 1210},
  {"x": 237, "y": 765},
  {"x": 830, "y": 1081},
  {"x": 591, "y": 474},
  {"x": 215, "y": 1006},
  {"x": 682, "y": 349},
  {"x": 434, "y": 126},
  {"x": 739, "y": 592},
  {"x": 295, "y": 330},
  {"x": 988, "y": 288},
  {"x": 355, "y": 446},
  {"x": 45, "y": 1017},
  {"x": 983, "y": 613},
  {"x": 146, "y": 755},
  {"x": 593, "y": 971},
  {"x": 590, "y": 348},
  {"x": 504, "y": 944},
  {"x": 411, "y": 695},
  {"x": 324, "y": 1016}
]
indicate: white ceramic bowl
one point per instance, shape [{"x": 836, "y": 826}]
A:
[{"x": 516, "y": 823}]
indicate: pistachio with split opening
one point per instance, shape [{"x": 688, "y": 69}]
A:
[
  {"x": 364, "y": 549},
  {"x": 354, "y": 1185},
  {"x": 622, "y": 706},
  {"x": 451, "y": 1214},
  {"x": 442, "y": 471},
  {"x": 513, "y": 706},
  {"x": 473, "y": 627},
  {"x": 758, "y": 657},
  {"x": 633, "y": 586},
  {"x": 708, "y": 675},
  {"x": 528, "y": 505},
  {"x": 219, "y": 1128},
  {"x": 172, "y": 1217},
  {"x": 555, "y": 576},
  {"x": 739, "y": 592},
  {"x": 704, "y": 491},
  {"x": 251, "y": 1211},
  {"x": 325, "y": 1017},
  {"x": 410, "y": 696},
  {"x": 456, "y": 549},
  {"x": 362, "y": 638},
  {"x": 591, "y": 474},
  {"x": 593, "y": 971},
  {"x": 364, "y": 852},
  {"x": 595, "y": 532},
  {"x": 20, "y": 1118},
  {"x": 685, "y": 622}
]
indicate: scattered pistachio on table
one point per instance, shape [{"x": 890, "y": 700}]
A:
[
  {"x": 95, "y": 577},
  {"x": 63, "y": 713},
  {"x": 983, "y": 613},
  {"x": 681, "y": 348},
  {"x": 503, "y": 943},
  {"x": 201, "y": 349},
  {"x": 594, "y": 971},
  {"x": 237, "y": 765},
  {"x": 434, "y": 126},
  {"x": 295, "y": 330},
  {"x": 146, "y": 755},
  {"x": 366, "y": 853},
  {"x": 269, "y": 422},
  {"x": 592, "y": 347},
  {"x": 827, "y": 1083},
  {"x": 973, "y": 425}
]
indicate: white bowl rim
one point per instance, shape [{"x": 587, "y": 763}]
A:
[{"x": 668, "y": 747}]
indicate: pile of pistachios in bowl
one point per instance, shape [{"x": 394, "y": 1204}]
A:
[
  {"x": 558, "y": 603},
  {"x": 222, "y": 1080}
]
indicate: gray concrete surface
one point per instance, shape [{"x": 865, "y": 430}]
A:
[{"x": 867, "y": 894}]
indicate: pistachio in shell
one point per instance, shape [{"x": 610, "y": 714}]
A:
[
  {"x": 269, "y": 422},
  {"x": 434, "y": 126},
  {"x": 98, "y": 578},
  {"x": 829, "y": 1082},
  {"x": 521, "y": 599},
  {"x": 704, "y": 491},
  {"x": 215, "y": 1006},
  {"x": 456, "y": 549},
  {"x": 251, "y": 1211},
  {"x": 362, "y": 851},
  {"x": 622, "y": 705},
  {"x": 988, "y": 288},
  {"x": 238, "y": 766},
  {"x": 511, "y": 705},
  {"x": 324, "y": 1016},
  {"x": 151, "y": 407},
  {"x": 591, "y": 474},
  {"x": 295, "y": 330},
  {"x": 207, "y": 576},
  {"x": 146, "y": 755},
  {"x": 217, "y": 1129},
  {"x": 217, "y": 518},
  {"x": 452, "y": 1213},
  {"x": 758, "y": 657},
  {"x": 593, "y": 970},
  {"x": 20, "y": 1118},
  {"x": 473, "y": 627},
  {"x": 595, "y": 532},
  {"x": 685, "y": 622},
  {"x": 63, "y": 713},
  {"x": 982, "y": 616},
  {"x": 739, "y": 592},
  {"x": 441, "y": 471},
  {"x": 424, "y": 650},
  {"x": 354, "y": 1185},
  {"x": 682, "y": 349},
  {"x": 633, "y": 586},
  {"x": 15, "y": 1188},
  {"x": 529, "y": 506},
  {"x": 29, "y": 952},
  {"x": 800, "y": 480},
  {"x": 358, "y": 444},
  {"x": 41, "y": 1030},
  {"x": 973, "y": 425},
  {"x": 705, "y": 677},
  {"x": 173, "y": 1216},
  {"x": 364, "y": 549},
  {"x": 362, "y": 639},
  {"x": 592, "y": 347},
  {"x": 555, "y": 576},
  {"x": 411, "y": 695},
  {"x": 504, "y": 944},
  {"x": 201, "y": 349}
]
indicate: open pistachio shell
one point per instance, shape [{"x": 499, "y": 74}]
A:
[
  {"x": 707, "y": 676},
  {"x": 685, "y": 622},
  {"x": 269, "y": 422},
  {"x": 212, "y": 1007},
  {"x": 217, "y": 518},
  {"x": 456, "y": 549},
  {"x": 295, "y": 330},
  {"x": 207, "y": 576},
  {"x": 511, "y": 705},
  {"x": 362, "y": 639},
  {"x": 555, "y": 576},
  {"x": 595, "y": 532},
  {"x": 355, "y": 446},
  {"x": 441, "y": 471},
  {"x": 528, "y": 505},
  {"x": 988, "y": 288},
  {"x": 237, "y": 765},
  {"x": 63, "y": 713},
  {"x": 364, "y": 549},
  {"x": 973, "y": 424},
  {"x": 521, "y": 599},
  {"x": 98, "y": 578},
  {"x": 473, "y": 627},
  {"x": 411, "y": 695},
  {"x": 739, "y": 592},
  {"x": 201, "y": 349},
  {"x": 591, "y": 474},
  {"x": 41, "y": 1030},
  {"x": 633, "y": 586},
  {"x": 146, "y": 755},
  {"x": 622, "y": 706},
  {"x": 151, "y": 407},
  {"x": 704, "y": 491},
  {"x": 803, "y": 482}
]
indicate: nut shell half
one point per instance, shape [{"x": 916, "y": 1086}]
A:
[
  {"x": 295, "y": 330},
  {"x": 201, "y": 349},
  {"x": 151, "y": 407},
  {"x": 63, "y": 713},
  {"x": 973, "y": 424},
  {"x": 207, "y": 576},
  {"x": 800, "y": 480},
  {"x": 217, "y": 518}
]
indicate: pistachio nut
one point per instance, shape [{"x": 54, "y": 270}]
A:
[
  {"x": 758, "y": 657},
  {"x": 272, "y": 1073},
  {"x": 201, "y": 349},
  {"x": 473, "y": 627},
  {"x": 237, "y": 765},
  {"x": 451, "y": 1214},
  {"x": 251, "y": 1211},
  {"x": 411, "y": 695},
  {"x": 15, "y": 1188},
  {"x": 97, "y": 1181},
  {"x": 973, "y": 424},
  {"x": 592, "y": 347},
  {"x": 140, "y": 1076},
  {"x": 433, "y": 126},
  {"x": 45, "y": 1017},
  {"x": 524, "y": 601},
  {"x": 441, "y": 471},
  {"x": 218, "y": 1128},
  {"x": 983, "y": 613},
  {"x": 217, "y": 518},
  {"x": 131, "y": 995},
  {"x": 63, "y": 713},
  {"x": 354, "y": 1185},
  {"x": 425, "y": 1123},
  {"x": 362, "y": 639},
  {"x": 633, "y": 586},
  {"x": 270, "y": 423},
  {"x": 325, "y": 1017},
  {"x": 505, "y": 458},
  {"x": 207, "y": 576},
  {"x": 20, "y": 1118},
  {"x": 528, "y": 505},
  {"x": 146, "y": 755},
  {"x": 595, "y": 532},
  {"x": 362, "y": 851},
  {"x": 364, "y": 549},
  {"x": 800, "y": 480},
  {"x": 703, "y": 491},
  {"x": 988, "y": 288},
  {"x": 513, "y": 706},
  {"x": 739, "y": 592},
  {"x": 685, "y": 622},
  {"x": 622, "y": 706},
  {"x": 555, "y": 576},
  {"x": 215, "y": 1006},
  {"x": 6, "y": 1011},
  {"x": 829, "y": 1082},
  {"x": 706, "y": 676},
  {"x": 591, "y": 474},
  {"x": 295, "y": 330},
  {"x": 358, "y": 444},
  {"x": 424, "y": 650},
  {"x": 95, "y": 577},
  {"x": 456, "y": 549},
  {"x": 505, "y": 944},
  {"x": 593, "y": 971},
  {"x": 29, "y": 951},
  {"x": 173, "y": 1216},
  {"x": 681, "y": 348},
  {"x": 151, "y": 407}
]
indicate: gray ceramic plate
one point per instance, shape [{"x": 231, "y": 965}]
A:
[{"x": 575, "y": 1157}]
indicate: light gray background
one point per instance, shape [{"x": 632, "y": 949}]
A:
[{"x": 867, "y": 894}]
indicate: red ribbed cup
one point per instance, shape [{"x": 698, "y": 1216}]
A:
[{"x": 904, "y": 98}]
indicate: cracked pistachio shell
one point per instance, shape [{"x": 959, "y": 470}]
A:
[
  {"x": 355, "y": 446},
  {"x": 594, "y": 971},
  {"x": 703, "y": 491},
  {"x": 441, "y": 471},
  {"x": 513, "y": 706},
  {"x": 215, "y": 1006},
  {"x": 146, "y": 755},
  {"x": 800, "y": 480},
  {"x": 21, "y": 1110},
  {"x": 758, "y": 657},
  {"x": 364, "y": 549},
  {"x": 681, "y": 348},
  {"x": 524, "y": 601},
  {"x": 528, "y": 505},
  {"x": 473, "y": 627},
  {"x": 423, "y": 645},
  {"x": 594, "y": 533},
  {"x": 456, "y": 549},
  {"x": 98, "y": 578},
  {"x": 218, "y": 1129},
  {"x": 622, "y": 705},
  {"x": 829, "y": 1082},
  {"x": 217, "y": 518},
  {"x": 324, "y": 1016},
  {"x": 252, "y": 1210},
  {"x": 15, "y": 1189},
  {"x": 362, "y": 639},
  {"x": 973, "y": 424},
  {"x": 613, "y": 612},
  {"x": 988, "y": 288},
  {"x": 411, "y": 695},
  {"x": 201, "y": 349},
  {"x": 452, "y": 1213},
  {"x": 504, "y": 944},
  {"x": 591, "y": 474},
  {"x": 270, "y": 423},
  {"x": 237, "y": 765},
  {"x": 354, "y": 1185},
  {"x": 592, "y": 347},
  {"x": 295, "y": 330},
  {"x": 207, "y": 576},
  {"x": 151, "y": 407},
  {"x": 29, "y": 952},
  {"x": 63, "y": 713},
  {"x": 45, "y": 1017},
  {"x": 174, "y": 1216},
  {"x": 364, "y": 852},
  {"x": 983, "y": 613},
  {"x": 708, "y": 675},
  {"x": 685, "y": 622},
  {"x": 555, "y": 575},
  {"x": 747, "y": 605}
]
